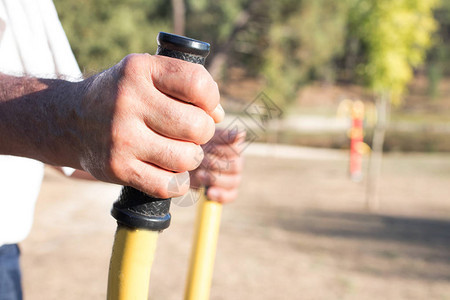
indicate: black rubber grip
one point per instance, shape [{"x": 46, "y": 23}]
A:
[
  {"x": 139, "y": 210},
  {"x": 134, "y": 208},
  {"x": 180, "y": 55}
]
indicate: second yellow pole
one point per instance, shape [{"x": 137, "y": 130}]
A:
[{"x": 204, "y": 250}]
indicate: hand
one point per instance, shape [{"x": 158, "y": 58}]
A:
[
  {"x": 143, "y": 121},
  {"x": 221, "y": 168}
]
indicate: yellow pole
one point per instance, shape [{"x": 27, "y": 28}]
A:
[
  {"x": 131, "y": 262},
  {"x": 204, "y": 250}
]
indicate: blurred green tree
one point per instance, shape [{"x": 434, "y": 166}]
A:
[
  {"x": 395, "y": 35},
  {"x": 438, "y": 62},
  {"x": 287, "y": 43},
  {"x": 303, "y": 40},
  {"x": 101, "y": 32}
]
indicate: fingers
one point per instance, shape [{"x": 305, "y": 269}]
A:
[
  {"x": 223, "y": 180},
  {"x": 226, "y": 144},
  {"x": 223, "y": 152},
  {"x": 158, "y": 182},
  {"x": 221, "y": 195},
  {"x": 169, "y": 154},
  {"x": 228, "y": 137},
  {"x": 227, "y": 166},
  {"x": 187, "y": 122},
  {"x": 220, "y": 170},
  {"x": 187, "y": 82},
  {"x": 155, "y": 165},
  {"x": 221, "y": 187}
]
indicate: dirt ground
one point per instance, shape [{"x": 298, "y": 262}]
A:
[{"x": 299, "y": 230}]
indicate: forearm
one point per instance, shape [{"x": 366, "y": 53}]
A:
[
  {"x": 33, "y": 123},
  {"x": 77, "y": 174}
]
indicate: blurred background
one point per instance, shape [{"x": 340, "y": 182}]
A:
[{"x": 346, "y": 188}]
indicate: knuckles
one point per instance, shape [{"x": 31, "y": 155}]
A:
[
  {"x": 189, "y": 158},
  {"x": 119, "y": 170},
  {"x": 200, "y": 129},
  {"x": 197, "y": 83},
  {"x": 203, "y": 85},
  {"x": 133, "y": 64},
  {"x": 132, "y": 79}
]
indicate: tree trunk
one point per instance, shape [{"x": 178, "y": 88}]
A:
[
  {"x": 374, "y": 171},
  {"x": 179, "y": 16}
]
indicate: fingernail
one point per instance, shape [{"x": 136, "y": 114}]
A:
[{"x": 218, "y": 114}]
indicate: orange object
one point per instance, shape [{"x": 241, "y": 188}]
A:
[{"x": 356, "y": 141}]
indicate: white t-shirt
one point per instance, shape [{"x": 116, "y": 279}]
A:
[{"x": 33, "y": 43}]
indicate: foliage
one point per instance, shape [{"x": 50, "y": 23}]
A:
[
  {"x": 101, "y": 32},
  {"x": 395, "y": 35},
  {"x": 287, "y": 42},
  {"x": 303, "y": 39},
  {"x": 212, "y": 21},
  {"x": 438, "y": 61}
]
